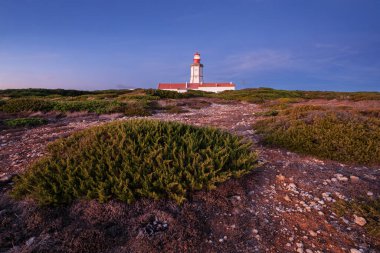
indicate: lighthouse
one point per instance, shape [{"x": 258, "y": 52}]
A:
[
  {"x": 196, "y": 69},
  {"x": 196, "y": 81}
]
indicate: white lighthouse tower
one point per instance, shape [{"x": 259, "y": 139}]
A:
[{"x": 196, "y": 75}]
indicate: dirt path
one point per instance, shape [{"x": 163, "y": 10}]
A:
[{"x": 283, "y": 206}]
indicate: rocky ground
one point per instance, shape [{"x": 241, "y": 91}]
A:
[{"x": 285, "y": 205}]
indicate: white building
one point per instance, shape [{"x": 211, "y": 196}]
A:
[{"x": 196, "y": 81}]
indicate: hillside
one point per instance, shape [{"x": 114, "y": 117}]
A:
[{"x": 296, "y": 200}]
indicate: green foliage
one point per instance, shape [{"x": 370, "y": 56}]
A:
[
  {"x": 17, "y": 93},
  {"x": 27, "y": 104},
  {"x": 135, "y": 159},
  {"x": 337, "y": 135},
  {"x": 368, "y": 209},
  {"x": 98, "y": 106},
  {"x": 25, "y": 122},
  {"x": 174, "y": 94},
  {"x": 261, "y": 95},
  {"x": 173, "y": 109},
  {"x": 270, "y": 113}
]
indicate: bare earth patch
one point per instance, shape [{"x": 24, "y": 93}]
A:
[{"x": 284, "y": 206}]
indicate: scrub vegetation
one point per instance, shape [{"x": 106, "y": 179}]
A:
[
  {"x": 135, "y": 159},
  {"x": 369, "y": 209},
  {"x": 341, "y": 135},
  {"x": 25, "y": 122},
  {"x": 109, "y": 101}
]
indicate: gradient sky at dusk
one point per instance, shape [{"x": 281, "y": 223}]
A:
[{"x": 105, "y": 44}]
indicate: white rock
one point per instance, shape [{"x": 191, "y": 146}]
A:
[
  {"x": 255, "y": 231},
  {"x": 370, "y": 193},
  {"x": 309, "y": 251},
  {"x": 355, "y": 251},
  {"x": 300, "y": 250},
  {"x": 287, "y": 198}
]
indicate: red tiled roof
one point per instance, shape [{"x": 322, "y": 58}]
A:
[
  {"x": 192, "y": 85},
  {"x": 172, "y": 85}
]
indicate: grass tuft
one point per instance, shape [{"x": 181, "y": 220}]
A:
[
  {"x": 25, "y": 122},
  {"x": 343, "y": 136},
  {"x": 368, "y": 209},
  {"x": 135, "y": 159}
]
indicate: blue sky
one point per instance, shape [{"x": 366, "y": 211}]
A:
[{"x": 105, "y": 44}]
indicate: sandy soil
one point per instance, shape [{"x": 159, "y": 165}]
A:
[{"x": 282, "y": 206}]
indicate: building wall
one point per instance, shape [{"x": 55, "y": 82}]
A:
[
  {"x": 196, "y": 73},
  {"x": 215, "y": 89}
]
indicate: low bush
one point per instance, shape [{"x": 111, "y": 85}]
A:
[
  {"x": 173, "y": 109},
  {"x": 25, "y": 122},
  {"x": 337, "y": 135},
  {"x": 17, "y": 93},
  {"x": 27, "y": 104},
  {"x": 173, "y": 94},
  {"x": 134, "y": 159},
  {"x": 366, "y": 208},
  {"x": 97, "y": 106},
  {"x": 261, "y": 95},
  {"x": 270, "y": 113}
]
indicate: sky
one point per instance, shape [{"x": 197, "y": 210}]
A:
[{"x": 117, "y": 44}]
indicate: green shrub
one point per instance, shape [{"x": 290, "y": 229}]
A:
[
  {"x": 173, "y": 94},
  {"x": 27, "y": 104},
  {"x": 261, "y": 95},
  {"x": 134, "y": 159},
  {"x": 97, "y": 106},
  {"x": 270, "y": 113},
  {"x": 25, "y": 122},
  {"x": 340, "y": 136},
  {"x": 174, "y": 109},
  {"x": 368, "y": 209},
  {"x": 17, "y": 93}
]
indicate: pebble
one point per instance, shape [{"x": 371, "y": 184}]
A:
[
  {"x": 312, "y": 233},
  {"x": 359, "y": 220},
  {"x": 280, "y": 177},
  {"x": 354, "y": 178},
  {"x": 30, "y": 241},
  {"x": 287, "y": 198},
  {"x": 255, "y": 231},
  {"x": 309, "y": 251},
  {"x": 343, "y": 179},
  {"x": 355, "y": 251},
  {"x": 370, "y": 193},
  {"x": 300, "y": 250}
]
